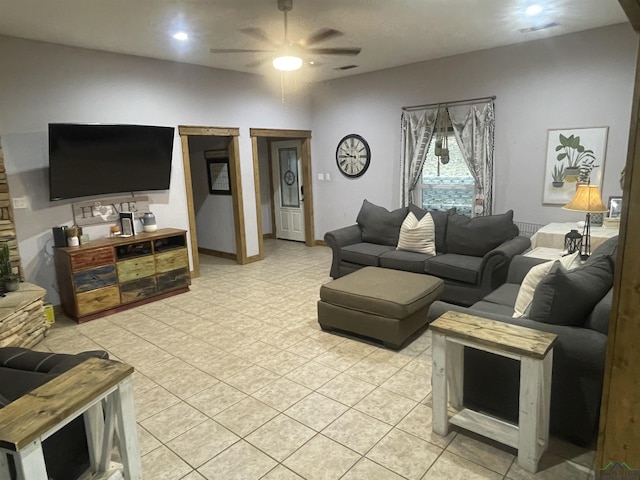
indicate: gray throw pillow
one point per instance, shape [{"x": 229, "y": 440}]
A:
[
  {"x": 439, "y": 221},
  {"x": 609, "y": 247},
  {"x": 567, "y": 297},
  {"x": 479, "y": 235},
  {"x": 379, "y": 225}
]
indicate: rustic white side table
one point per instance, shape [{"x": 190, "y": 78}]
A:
[
  {"x": 101, "y": 391},
  {"x": 534, "y": 349}
]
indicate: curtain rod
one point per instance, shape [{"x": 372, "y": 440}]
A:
[{"x": 458, "y": 102}]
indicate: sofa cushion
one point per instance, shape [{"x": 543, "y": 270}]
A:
[
  {"x": 505, "y": 294},
  {"x": 492, "y": 308},
  {"x": 462, "y": 268},
  {"x": 535, "y": 276},
  {"x": 406, "y": 261},
  {"x": 598, "y": 319},
  {"x": 479, "y": 235},
  {"x": 609, "y": 247},
  {"x": 439, "y": 221},
  {"x": 567, "y": 297},
  {"x": 417, "y": 235},
  {"x": 379, "y": 225},
  {"x": 364, "y": 253}
]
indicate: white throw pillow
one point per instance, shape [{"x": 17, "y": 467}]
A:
[
  {"x": 533, "y": 278},
  {"x": 418, "y": 236}
]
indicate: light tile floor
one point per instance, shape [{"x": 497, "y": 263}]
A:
[{"x": 235, "y": 380}]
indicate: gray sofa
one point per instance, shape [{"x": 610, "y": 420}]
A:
[
  {"x": 579, "y": 315},
  {"x": 472, "y": 254}
]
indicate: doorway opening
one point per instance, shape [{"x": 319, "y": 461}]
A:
[
  {"x": 294, "y": 174},
  {"x": 214, "y": 193}
]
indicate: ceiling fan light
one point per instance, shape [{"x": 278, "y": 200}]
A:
[{"x": 287, "y": 63}]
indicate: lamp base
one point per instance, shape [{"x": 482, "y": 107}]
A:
[{"x": 585, "y": 250}]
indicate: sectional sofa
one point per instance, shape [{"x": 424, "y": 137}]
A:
[
  {"x": 472, "y": 254},
  {"x": 573, "y": 304}
]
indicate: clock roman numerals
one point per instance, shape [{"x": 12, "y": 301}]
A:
[{"x": 353, "y": 156}]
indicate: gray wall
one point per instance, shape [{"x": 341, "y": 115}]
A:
[
  {"x": 578, "y": 80},
  {"x": 43, "y": 83},
  {"x": 265, "y": 185}
]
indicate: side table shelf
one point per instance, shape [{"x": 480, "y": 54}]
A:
[
  {"x": 532, "y": 348},
  {"x": 114, "y": 274},
  {"x": 22, "y": 320}
]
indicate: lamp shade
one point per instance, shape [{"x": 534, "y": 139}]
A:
[{"x": 587, "y": 199}]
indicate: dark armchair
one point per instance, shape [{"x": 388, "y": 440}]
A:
[{"x": 22, "y": 370}]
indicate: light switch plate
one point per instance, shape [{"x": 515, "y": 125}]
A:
[
  {"x": 20, "y": 202},
  {"x": 321, "y": 177}
]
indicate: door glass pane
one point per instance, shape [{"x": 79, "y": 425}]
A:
[{"x": 289, "y": 188}]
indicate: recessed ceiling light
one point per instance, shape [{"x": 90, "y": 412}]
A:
[
  {"x": 181, "y": 36},
  {"x": 533, "y": 10}
]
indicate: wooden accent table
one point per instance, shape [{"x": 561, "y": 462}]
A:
[
  {"x": 83, "y": 390},
  {"x": 534, "y": 349},
  {"x": 22, "y": 321}
]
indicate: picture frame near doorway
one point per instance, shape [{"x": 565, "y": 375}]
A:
[{"x": 218, "y": 172}]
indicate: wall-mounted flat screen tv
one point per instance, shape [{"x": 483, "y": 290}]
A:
[{"x": 96, "y": 159}]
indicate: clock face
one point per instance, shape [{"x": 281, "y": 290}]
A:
[{"x": 353, "y": 155}]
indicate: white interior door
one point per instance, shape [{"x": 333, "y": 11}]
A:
[{"x": 288, "y": 191}]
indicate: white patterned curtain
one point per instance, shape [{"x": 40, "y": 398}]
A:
[
  {"x": 417, "y": 131},
  {"x": 474, "y": 127}
]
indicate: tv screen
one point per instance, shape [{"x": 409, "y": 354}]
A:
[{"x": 99, "y": 159}]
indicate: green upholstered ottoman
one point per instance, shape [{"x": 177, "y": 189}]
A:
[{"x": 381, "y": 303}]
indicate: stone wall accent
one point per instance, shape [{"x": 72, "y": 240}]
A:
[{"x": 7, "y": 227}]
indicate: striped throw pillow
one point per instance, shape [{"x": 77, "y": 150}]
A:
[{"x": 418, "y": 236}]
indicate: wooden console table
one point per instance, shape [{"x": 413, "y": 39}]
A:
[
  {"x": 534, "y": 349},
  {"x": 22, "y": 320},
  {"x": 83, "y": 390}
]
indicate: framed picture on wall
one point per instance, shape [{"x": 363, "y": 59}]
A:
[
  {"x": 573, "y": 155},
  {"x": 615, "y": 207},
  {"x": 218, "y": 172}
]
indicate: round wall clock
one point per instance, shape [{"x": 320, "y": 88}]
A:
[{"x": 353, "y": 155}]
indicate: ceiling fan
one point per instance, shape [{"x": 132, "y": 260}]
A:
[{"x": 288, "y": 56}]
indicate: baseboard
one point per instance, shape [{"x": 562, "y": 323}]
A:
[
  {"x": 268, "y": 235},
  {"x": 255, "y": 258},
  {"x": 217, "y": 253},
  {"x": 320, "y": 243}
]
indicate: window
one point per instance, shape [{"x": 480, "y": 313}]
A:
[{"x": 450, "y": 185}]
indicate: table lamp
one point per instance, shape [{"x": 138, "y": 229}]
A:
[{"x": 587, "y": 199}]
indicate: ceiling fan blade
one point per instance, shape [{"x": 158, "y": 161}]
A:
[
  {"x": 335, "y": 51},
  {"x": 320, "y": 36},
  {"x": 256, "y": 63},
  {"x": 259, "y": 34},
  {"x": 237, "y": 50}
]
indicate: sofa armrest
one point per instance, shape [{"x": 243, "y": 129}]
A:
[
  {"x": 43, "y": 362},
  {"x": 495, "y": 264},
  {"x": 343, "y": 236},
  {"x": 336, "y": 239},
  {"x": 520, "y": 266}
]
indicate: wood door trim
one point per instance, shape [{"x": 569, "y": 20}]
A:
[
  {"x": 256, "y": 186},
  {"x": 238, "y": 208},
  {"x": 619, "y": 432},
  {"x": 236, "y": 188},
  {"x": 272, "y": 132},
  {"x": 193, "y": 235},
  {"x": 305, "y": 137},
  {"x": 208, "y": 131}
]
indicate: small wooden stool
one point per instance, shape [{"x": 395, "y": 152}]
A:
[
  {"x": 534, "y": 349},
  {"x": 98, "y": 389}
]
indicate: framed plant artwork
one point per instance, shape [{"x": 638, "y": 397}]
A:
[{"x": 574, "y": 155}]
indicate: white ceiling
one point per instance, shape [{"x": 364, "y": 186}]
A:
[{"x": 390, "y": 32}]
